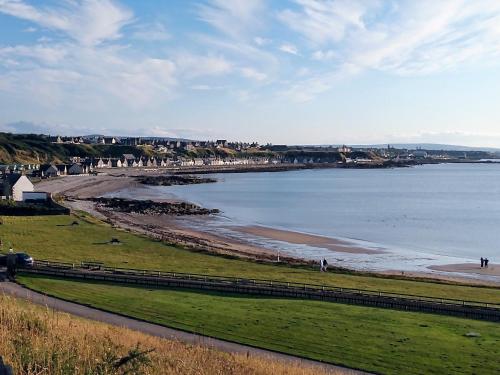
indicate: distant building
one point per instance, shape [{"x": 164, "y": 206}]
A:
[
  {"x": 76, "y": 169},
  {"x": 131, "y": 141},
  {"x": 128, "y": 157},
  {"x": 107, "y": 140},
  {"x": 221, "y": 143},
  {"x": 420, "y": 154},
  {"x": 63, "y": 169},
  {"x": 49, "y": 170},
  {"x": 344, "y": 149}
]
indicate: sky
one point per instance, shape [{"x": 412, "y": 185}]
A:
[{"x": 278, "y": 71}]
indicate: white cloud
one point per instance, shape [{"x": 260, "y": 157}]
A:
[
  {"x": 43, "y": 53},
  {"x": 28, "y": 127},
  {"x": 307, "y": 89},
  {"x": 303, "y": 71},
  {"x": 253, "y": 74},
  {"x": 143, "y": 83},
  {"x": 193, "y": 66},
  {"x": 233, "y": 18},
  {"x": 412, "y": 37},
  {"x": 88, "y": 22},
  {"x": 261, "y": 41},
  {"x": 155, "y": 32},
  {"x": 289, "y": 48},
  {"x": 207, "y": 87},
  {"x": 324, "y": 55},
  {"x": 81, "y": 71},
  {"x": 325, "y": 21}
]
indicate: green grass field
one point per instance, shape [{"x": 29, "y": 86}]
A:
[
  {"x": 376, "y": 340},
  {"x": 52, "y": 237}
]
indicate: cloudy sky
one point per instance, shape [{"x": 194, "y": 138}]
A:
[{"x": 296, "y": 72}]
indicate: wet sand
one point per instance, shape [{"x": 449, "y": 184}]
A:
[
  {"x": 469, "y": 268},
  {"x": 306, "y": 239}
]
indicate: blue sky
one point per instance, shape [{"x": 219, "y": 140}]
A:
[{"x": 296, "y": 72}]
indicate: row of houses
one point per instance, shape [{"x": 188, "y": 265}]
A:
[
  {"x": 164, "y": 144},
  {"x": 88, "y": 166},
  {"x": 129, "y": 161}
]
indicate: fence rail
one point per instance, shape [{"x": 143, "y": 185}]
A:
[{"x": 99, "y": 272}]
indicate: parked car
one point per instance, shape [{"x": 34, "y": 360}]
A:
[{"x": 24, "y": 260}]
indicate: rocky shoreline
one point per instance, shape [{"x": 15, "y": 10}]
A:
[
  {"x": 171, "y": 180},
  {"x": 149, "y": 207}
]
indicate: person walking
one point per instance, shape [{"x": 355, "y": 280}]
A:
[
  {"x": 482, "y": 262},
  {"x": 321, "y": 265},
  {"x": 325, "y": 265},
  {"x": 11, "y": 265},
  {"x": 486, "y": 261}
]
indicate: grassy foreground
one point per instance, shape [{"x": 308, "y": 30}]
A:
[
  {"x": 35, "y": 340},
  {"x": 377, "y": 340},
  {"x": 52, "y": 237}
]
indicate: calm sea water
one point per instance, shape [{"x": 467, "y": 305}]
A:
[{"x": 431, "y": 214}]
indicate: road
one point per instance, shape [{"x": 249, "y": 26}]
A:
[{"x": 18, "y": 291}]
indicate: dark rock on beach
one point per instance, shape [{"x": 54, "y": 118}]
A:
[
  {"x": 170, "y": 180},
  {"x": 149, "y": 207}
]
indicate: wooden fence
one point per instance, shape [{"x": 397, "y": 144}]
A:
[{"x": 270, "y": 288}]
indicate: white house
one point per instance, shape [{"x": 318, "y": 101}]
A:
[
  {"x": 13, "y": 186},
  {"x": 187, "y": 162}
]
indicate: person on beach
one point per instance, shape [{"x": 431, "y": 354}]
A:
[
  {"x": 482, "y": 262},
  {"x": 486, "y": 261}
]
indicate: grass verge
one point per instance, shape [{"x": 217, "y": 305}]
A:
[{"x": 384, "y": 341}]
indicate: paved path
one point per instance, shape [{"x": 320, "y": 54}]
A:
[{"x": 154, "y": 329}]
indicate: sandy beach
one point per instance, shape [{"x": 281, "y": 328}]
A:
[
  {"x": 86, "y": 186},
  {"x": 305, "y": 239}
]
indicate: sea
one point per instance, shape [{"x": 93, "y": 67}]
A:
[{"x": 419, "y": 216}]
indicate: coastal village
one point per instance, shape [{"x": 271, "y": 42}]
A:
[{"x": 176, "y": 154}]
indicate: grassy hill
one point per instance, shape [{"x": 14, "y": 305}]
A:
[{"x": 32, "y": 148}]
